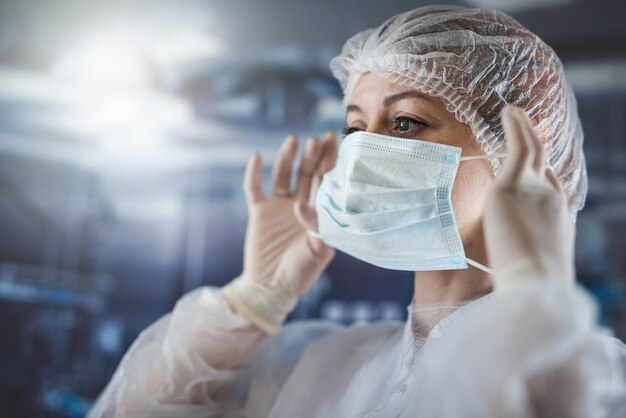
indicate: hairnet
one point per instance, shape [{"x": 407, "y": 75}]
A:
[{"x": 476, "y": 61}]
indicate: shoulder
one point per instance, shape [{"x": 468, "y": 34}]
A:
[
  {"x": 351, "y": 348},
  {"x": 287, "y": 345},
  {"x": 313, "y": 345},
  {"x": 260, "y": 381},
  {"x": 325, "y": 337},
  {"x": 360, "y": 334},
  {"x": 303, "y": 333}
]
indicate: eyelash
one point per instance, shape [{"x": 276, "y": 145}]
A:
[
  {"x": 348, "y": 130},
  {"x": 351, "y": 129}
]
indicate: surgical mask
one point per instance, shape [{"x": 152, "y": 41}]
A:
[{"x": 387, "y": 202}]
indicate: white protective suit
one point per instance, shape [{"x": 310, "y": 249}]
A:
[
  {"x": 533, "y": 352},
  {"x": 513, "y": 356}
]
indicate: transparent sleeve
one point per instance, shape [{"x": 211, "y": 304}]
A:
[
  {"x": 181, "y": 364},
  {"x": 536, "y": 352}
]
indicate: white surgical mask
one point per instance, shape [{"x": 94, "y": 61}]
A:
[{"x": 387, "y": 202}]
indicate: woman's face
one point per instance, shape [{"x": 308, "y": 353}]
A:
[{"x": 382, "y": 107}]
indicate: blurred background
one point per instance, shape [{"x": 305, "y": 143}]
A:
[{"x": 124, "y": 130}]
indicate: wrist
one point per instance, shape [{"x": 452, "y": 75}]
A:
[
  {"x": 263, "y": 305},
  {"x": 516, "y": 273}
]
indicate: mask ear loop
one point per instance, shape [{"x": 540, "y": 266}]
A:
[
  {"x": 483, "y": 157},
  {"x": 313, "y": 234},
  {"x": 479, "y": 266}
]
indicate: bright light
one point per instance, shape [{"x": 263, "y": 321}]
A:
[
  {"x": 115, "y": 60},
  {"x": 135, "y": 124}
]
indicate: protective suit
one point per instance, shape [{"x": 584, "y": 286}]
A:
[
  {"x": 533, "y": 349},
  {"x": 491, "y": 357}
]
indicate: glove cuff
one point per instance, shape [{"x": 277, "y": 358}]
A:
[
  {"x": 266, "y": 307},
  {"x": 519, "y": 272}
]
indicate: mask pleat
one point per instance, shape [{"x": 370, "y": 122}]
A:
[
  {"x": 387, "y": 202},
  {"x": 382, "y": 219},
  {"x": 392, "y": 243}
]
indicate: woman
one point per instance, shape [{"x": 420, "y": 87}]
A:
[{"x": 423, "y": 92}]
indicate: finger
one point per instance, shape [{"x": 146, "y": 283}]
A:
[
  {"x": 281, "y": 172},
  {"x": 315, "y": 185},
  {"x": 522, "y": 120},
  {"x": 321, "y": 250},
  {"x": 329, "y": 153},
  {"x": 554, "y": 181},
  {"x": 310, "y": 158},
  {"x": 252, "y": 179},
  {"x": 306, "y": 216},
  {"x": 538, "y": 162},
  {"x": 517, "y": 147},
  {"x": 327, "y": 161}
]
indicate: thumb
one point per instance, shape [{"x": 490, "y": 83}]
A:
[
  {"x": 307, "y": 218},
  {"x": 306, "y": 215}
]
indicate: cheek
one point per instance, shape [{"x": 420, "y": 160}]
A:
[{"x": 470, "y": 190}]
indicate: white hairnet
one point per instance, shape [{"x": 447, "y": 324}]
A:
[{"x": 476, "y": 61}]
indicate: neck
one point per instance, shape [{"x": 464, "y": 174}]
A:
[{"x": 433, "y": 287}]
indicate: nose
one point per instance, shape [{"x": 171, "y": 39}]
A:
[{"x": 378, "y": 126}]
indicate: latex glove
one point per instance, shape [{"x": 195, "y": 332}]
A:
[
  {"x": 529, "y": 233},
  {"x": 282, "y": 261}
]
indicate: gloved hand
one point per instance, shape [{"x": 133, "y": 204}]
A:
[
  {"x": 282, "y": 261},
  {"x": 528, "y": 231}
]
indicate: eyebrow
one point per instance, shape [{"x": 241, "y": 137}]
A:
[{"x": 411, "y": 94}]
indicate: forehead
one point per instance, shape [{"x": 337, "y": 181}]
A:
[
  {"x": 371, "y": 81},
  {"x": 374, "y": 90}
]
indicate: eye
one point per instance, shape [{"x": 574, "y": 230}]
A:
[
  {"x": 404, "y": 124},
  {"x": 349, "y": 129}
]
